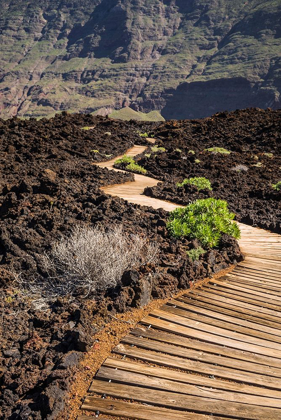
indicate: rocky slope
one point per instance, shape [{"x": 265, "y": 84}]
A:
[{"x": 185, "y": 58}]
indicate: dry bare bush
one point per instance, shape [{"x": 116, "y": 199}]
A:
[
  {"x": 240, "y": 168},
  {"x": 93, "y": 259}
]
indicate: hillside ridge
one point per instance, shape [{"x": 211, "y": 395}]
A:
[{"x": 187, "y": 59}]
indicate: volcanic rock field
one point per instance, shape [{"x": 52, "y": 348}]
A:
[{"x": 50, "y": 185}]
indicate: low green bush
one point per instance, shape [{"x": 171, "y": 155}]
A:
[
  {"x": 277, "y": 186},
  {"x": 125, "y": 159},
  {"x": 205, "y": 220},
  {"x": 156, "y": 149},
  {"x": 200, "y": 183},
  {"x": 195, "y": 253},
  {"x": 130, "y": 164},
  {"x": 218, "y": 150},
  {"x": 136, "y": 168}
]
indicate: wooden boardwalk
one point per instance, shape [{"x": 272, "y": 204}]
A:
[{"x": 213, "y": 353}]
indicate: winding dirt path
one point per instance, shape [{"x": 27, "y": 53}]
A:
[{"x": 212, "y": 353}]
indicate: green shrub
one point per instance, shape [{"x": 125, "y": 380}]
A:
[
  {"x": 205, "y": 220},
  {"x": 201, "y": 183},
  {"x": 156, "y": 149},
  {"x": 131, "y": 165},
  {"x": 178, "y": 150},
  {"x": 143, "y": 135},
  {"x": 136, "y": 168},
  {"x": 148, "y": 155},
  {"x": 195, "y": 253},
  {"x": 191, "y": 152},
  {"x": 94, "y": 151},
  {"x": 197, "y": 161},
  {"x": 218, "y": 150},
  {"x": 277, "y": 186},
  {"x": 125, "y": 159}
]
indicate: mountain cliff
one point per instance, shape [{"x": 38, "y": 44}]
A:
[{"x": 187, "y": 58}]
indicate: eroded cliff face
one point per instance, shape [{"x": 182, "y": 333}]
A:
[{"x": 188, "y": 58}]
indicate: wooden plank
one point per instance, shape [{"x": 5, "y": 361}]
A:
[
  {"x": 257, "y": 309},
  {"x": 206, "y": 336},
  {"x": 254, "y": 259},
  {"x": 202, "y": 346},
  {"x": 222, "y": 321},
  {"x": 272, "y": 252},
  {"x": 259, "y": 274},
  {"x": 271, "y": 333},
  {"x": 188, "y": 378},
  {"x": 257, "y": 277},
  {"x": 272, "y": 267},
  {"x": 248, "y": 297},
  {"x": 273, "y": 299},
  {"x": 172, "y": 399},
  {"x": 240, "y": 296},
  {"x": 261, "y": 256},
  {"x": 263, "y": 244},
  {"x": 138, "y": 411},
  {"x": 196, "y": 355},
  {"x": 257, "y": 283},
  {"x": 254, "y": 284},
  {"x": 253, "y": 262},
  {"x": 237, "y": 299},
  {"x": 141, "y": 379},
  {"x": 101, "y": 415},
  {"x": 94, "y": 418},
  {"x": 272, "y": 249},
  {"x": 257, "y": 271},
  {"x": 198, "y": 367},
  {"x": 227, "y": 309},
  {"x": 265, "y": 247},
  {"x": 218, "y": 331}
]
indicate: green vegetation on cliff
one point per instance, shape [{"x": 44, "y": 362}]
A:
[{"x": 186, "y": 59}]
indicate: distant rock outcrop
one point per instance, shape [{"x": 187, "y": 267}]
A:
[{"x": 186, "y": 58}]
